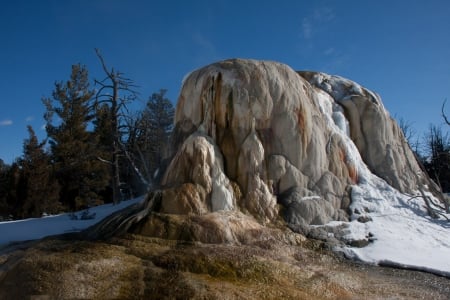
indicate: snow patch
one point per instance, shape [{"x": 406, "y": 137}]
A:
[
  {"x": 404, "y": 233},
  {"x": 37, "y": 228}
]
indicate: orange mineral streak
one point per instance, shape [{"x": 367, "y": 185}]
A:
[
  {"x": 301, "y": 123},
  {"x": 351, "y": 168},
  {"x": 352, "y": 173},
  {"x": 342, "y": 154}
]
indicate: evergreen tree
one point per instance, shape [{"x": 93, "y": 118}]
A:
[
  {"x": 74, "y": 152},
  {"x": 149, "y": 134},
  {"x": 39, "y": 190},
  {"x": 10, "y": 191},
  {"x": 104, "y": 140},
  {"x": 5, "y": 208},
  {"x": 156, "y": 123}
]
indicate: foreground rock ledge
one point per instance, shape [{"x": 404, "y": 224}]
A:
[{"x": 139, "y": 267}]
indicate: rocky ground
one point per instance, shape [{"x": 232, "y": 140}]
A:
[{"x": 140, "y": 267}]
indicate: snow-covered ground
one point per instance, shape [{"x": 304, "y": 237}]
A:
[
  {"x": 403, "y": 233},
  {"x": 36, "y": 228}
]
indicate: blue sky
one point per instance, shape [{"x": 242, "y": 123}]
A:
[{"x": 400, "y": 49}]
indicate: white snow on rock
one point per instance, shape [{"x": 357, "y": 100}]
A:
[{"x": 403, "y": 233}]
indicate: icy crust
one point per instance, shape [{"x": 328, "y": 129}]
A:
[
  {"x": 338, "y": 125},
  {"x": 401, "y": 231},
  {"x": 377, "y": 136},
  {"x": 342, "y": 89}
]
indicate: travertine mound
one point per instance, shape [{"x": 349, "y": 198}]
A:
[
  {"x": 253, "y": 140},
  {"x": 257, "y": 136}
]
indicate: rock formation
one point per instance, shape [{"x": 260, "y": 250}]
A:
[
  {"x": 258, "y": 137},
  {"x": 256, "y": 145}
]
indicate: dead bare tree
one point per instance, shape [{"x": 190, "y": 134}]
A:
[
  {"x": 409, "y": 133},
  {"x": 423, "y": 179},
  {"x": 116, "y": 92},
  {"x": 407, "y": 129}
]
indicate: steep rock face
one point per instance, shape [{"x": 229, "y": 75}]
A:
[
  {"x": 249, "y": 134},
  {"x": 377, "y": 136}
]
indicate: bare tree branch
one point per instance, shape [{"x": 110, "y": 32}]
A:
[
  {"x": 431, "y": 212},
  {"x": 135, "y": 168},
  {"x": 443, "y": 113},
  {"x": 117, "y": 92},
  {"x": 102, "y": 61},
  {"x": 104, "y": 160},
  {"x": 406, "y": 127}
]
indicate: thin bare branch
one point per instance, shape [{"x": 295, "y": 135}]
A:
[
  {"x": 104, "y": 160},
  {"x": 102, "y": 84},
  {"x": 135, "y": 168},
  {"x": 102, "y": 61},
  {"x": 443, "y": 113},
  {"x": 99, "y": 92}
]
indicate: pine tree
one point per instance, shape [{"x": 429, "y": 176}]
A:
[
  {"x": 11, "y": 190},
  {"x": 157, "y": 123},
  {"x": 39, "y": 189},
  {"x": 102, "y": 133},
  {"x": 74, "y": 152},
  {"x": 5, "y": 208},
  {"x": 148, "y": 136}
]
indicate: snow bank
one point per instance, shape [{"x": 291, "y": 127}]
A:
[
  {"x": 404, "y": 234},
  {"x": 36, "y": 228}
]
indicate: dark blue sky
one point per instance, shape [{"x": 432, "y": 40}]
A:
[{"x": 400, "y": 49}]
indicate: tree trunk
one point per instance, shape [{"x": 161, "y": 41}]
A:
[{"x": 116, "y": 139}]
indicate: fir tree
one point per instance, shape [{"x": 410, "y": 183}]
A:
[
  {"x": 74, "y": 149},
  {"x": 148, "y": 137},
  {"x": 103, "y": 142},
  {"x": 5, "y": 208},
  {"x": 156, "y": 124},
  {"x": 39, "y": 190},
  {"x": 10, "y": 190}
]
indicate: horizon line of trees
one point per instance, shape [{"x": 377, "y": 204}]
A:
[{"x": 96, "y": 150}]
